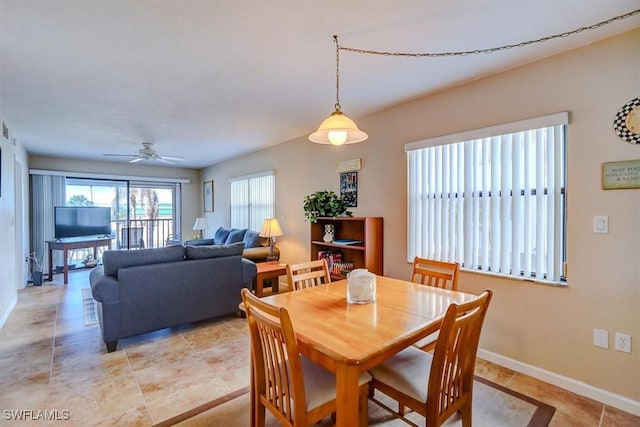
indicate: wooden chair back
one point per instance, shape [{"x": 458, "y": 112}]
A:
[
  {"x": 308, "y": 274},
  {"x": 450, "y": 385},
  {"x": 277, "y": 370},
  {"x": 439, "y": 274}
]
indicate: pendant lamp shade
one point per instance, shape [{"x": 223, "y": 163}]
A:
[{"x": 338, "y": 129}]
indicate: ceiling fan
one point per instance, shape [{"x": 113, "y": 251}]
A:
[{"x": 148, "y": 153}]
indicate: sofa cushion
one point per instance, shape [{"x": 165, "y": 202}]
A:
[
  {"x": 235, "y": 236},
  {"x": 199, "y": 242},
  {"x": 115, "y": 260},
  {"x": 221, "y": 235},
  {"x": 252, "y": 239},
  {"x": 214, "y": 251}
]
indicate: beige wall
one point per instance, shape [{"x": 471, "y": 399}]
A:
[
  {"x": 191, "y": 193},
  {"x": 547, "y": 327},
  {"x": 13, "y": 213}
]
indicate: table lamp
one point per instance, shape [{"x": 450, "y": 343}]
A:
[
  {"x": 271, "y": 229},
  {"x": 200, "y": 224}
]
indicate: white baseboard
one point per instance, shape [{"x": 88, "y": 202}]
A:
[
  {"x": 583, "y": 389},
  {"x": 6, "y": 314}
]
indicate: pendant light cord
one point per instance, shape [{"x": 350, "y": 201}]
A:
[
  {"x": 335, "y": 39},
  {"x": 487, "y": 50}
]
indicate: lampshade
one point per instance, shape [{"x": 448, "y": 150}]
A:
[
  {"x": 200, "y": 224},
  {"x": 270, "y": 228},
  {"x": 338, "y": 129}
]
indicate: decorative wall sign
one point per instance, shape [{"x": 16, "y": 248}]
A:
[
  {"x": 348, "y": 165},
  {"x": 207, "y": 193},
  {"x": 619, "y": 175},
  {"x": 349, "y": 188}
]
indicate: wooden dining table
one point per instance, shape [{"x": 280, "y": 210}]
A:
[{"x": 348, "y": 339}]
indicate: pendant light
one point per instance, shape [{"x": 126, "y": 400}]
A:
[{"x": 337, "y": 129}]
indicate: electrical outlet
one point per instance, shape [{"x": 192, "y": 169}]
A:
[{"x": 623, "y": 342}]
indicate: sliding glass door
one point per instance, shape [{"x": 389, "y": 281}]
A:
[{"x": 143, "y": 214}]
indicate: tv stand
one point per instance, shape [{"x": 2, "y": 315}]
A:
[{"x": 68, "y": 245}]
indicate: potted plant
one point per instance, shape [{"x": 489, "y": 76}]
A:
[{"x": 324, "y": 203}]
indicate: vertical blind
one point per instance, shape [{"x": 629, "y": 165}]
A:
[
  {"x": 252, "y": 200},
  {"x": 493, "y": 203}
]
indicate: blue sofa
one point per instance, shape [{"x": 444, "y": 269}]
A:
[{"x": 150, "y": 289}]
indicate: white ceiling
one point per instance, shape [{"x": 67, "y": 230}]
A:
[{"x": 210, "y": 80}]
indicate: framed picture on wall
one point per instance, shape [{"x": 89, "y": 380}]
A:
[
  {"x": 349, "y": 188},
  {"x": 207, "y": 193}
]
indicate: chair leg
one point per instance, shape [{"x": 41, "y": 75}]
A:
[
  {"x": 465, "y": 413},
  {"x": 372, "y": 391},
  {"x": 260, "y": 417}
]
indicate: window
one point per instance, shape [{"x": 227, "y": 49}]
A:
[
  {"x": 252, "y": 200},
  {"x": 493, "y": 200}
]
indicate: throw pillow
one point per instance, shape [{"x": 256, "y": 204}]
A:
[
  {"x": 214, "y": 251},
  {"x": 221, "y": 235},
  {"x": 252, "y": 239},
  {"x": 235, "y": 236},
  {"x": 115, "y": 260}
]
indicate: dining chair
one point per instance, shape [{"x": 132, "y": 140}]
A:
[
  {"x": 297, "y": 391},
  {"x": 440, "y": 274},
  {"x": 308, "y": 274},
  {"x": 436, "y": 386}
]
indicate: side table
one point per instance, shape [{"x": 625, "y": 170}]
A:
[{"x": 269, "y": 270}]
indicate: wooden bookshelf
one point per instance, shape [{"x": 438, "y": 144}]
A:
[{"x": 368, "y": 230}]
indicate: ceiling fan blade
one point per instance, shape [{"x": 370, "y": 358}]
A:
[
  {"x": 136, "y": 160},
  {"x": 120, "y": 155},
  {"x": 172, "y": 158},
  {"x": 163, "y": 160}
]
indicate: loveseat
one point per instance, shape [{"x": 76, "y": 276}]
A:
[
  {"x": 256, "y": 248},
  {"x": 150, "y": 289}
]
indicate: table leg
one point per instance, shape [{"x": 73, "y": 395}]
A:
[
  {"x": 347, "y": 395},
  {"x": 65, "y": 266},
  {"x": 50, "y": 264},
  {"x": 259, "y": 286}
]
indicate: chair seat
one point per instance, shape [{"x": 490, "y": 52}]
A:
[
  {"x": 320, "y": 384},
  {"x": 408, "y": 372}
]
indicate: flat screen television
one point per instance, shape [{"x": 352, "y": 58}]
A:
[{"x": 80, "y": 221}]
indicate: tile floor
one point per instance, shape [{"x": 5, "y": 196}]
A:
[{"x": 50, "y": 360}]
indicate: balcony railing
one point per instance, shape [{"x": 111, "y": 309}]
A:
[{"x": 146, "y": 233}]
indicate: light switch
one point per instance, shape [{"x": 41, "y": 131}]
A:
[
  {"x": 600, "y": 224},
  {"x": 601, "y": 338}
]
